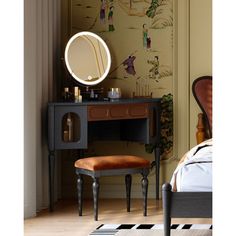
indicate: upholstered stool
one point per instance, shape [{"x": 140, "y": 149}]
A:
[{"x": 111, "y": 166}]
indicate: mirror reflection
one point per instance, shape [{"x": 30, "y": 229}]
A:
[{"x": 87, "y": 58}]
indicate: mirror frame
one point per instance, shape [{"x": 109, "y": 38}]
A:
[{"x": 81, "y": 81}]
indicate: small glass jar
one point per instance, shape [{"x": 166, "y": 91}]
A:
[{"x": 114, "y": 93}]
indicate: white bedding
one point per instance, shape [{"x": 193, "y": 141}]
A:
[{"x": 194, "y": 173}]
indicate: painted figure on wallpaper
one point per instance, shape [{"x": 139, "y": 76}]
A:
[
  {"x": 148, "y": 43},
  {"x": 129, "y": 62},
  {"x": 146, "y": 38},
  {"x": 154, "y": 71},
  {"x": 103, "y": 11},
  {"x": 110, "y": 19},
  {"x": 145, "y": 35}
]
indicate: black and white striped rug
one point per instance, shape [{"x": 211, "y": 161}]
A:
[{"x": 113, "y": 229}]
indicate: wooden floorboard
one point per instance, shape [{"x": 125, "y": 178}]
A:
[{"x": 64, "y": 221}]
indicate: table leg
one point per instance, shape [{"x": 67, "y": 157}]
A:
[
  {"x": 51, "y": 164},
  {"x": 157, "y": 166}
]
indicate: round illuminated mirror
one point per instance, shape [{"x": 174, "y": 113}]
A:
[{"x": 87, "y": 58}]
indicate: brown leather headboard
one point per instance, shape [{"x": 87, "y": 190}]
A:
[{"x": 202, "y": 91}]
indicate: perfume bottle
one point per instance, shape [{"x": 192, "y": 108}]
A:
[
  {"x": 92, "y": 94},
  {"x": 77, "y": 95},
  {"x": 66, "y": 96}
]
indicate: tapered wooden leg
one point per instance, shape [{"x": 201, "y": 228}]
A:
[
  {"x": 157, "y": 166},
  {"x": 145, "y": 191},
  {"x": 80, "y": 193},
  {"x": 95, "y": 197},
  {"x": 166, "y": 199},
  {"x": 128, "y": 182}
]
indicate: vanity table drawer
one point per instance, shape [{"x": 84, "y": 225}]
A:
[
  {"x": 117, "y": 111},
  {"x": 138, "y": 110},
  {"x": 107, "y": 112},
  {"x": 98, "y": 112}
]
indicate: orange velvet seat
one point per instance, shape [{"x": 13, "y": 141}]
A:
[{"x": 111, "y": 162}]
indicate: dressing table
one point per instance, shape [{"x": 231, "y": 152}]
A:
[{"x": 133, "y": 119}]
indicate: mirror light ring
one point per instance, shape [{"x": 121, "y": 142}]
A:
[{"x": 87, "y": 82}]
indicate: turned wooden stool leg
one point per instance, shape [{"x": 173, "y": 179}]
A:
[
  {"x": 80, "y": 193},
  {"x": 145, "y": 191},
  {"x": 95, "y": 196},
  {"x": 128, "y": 181}
]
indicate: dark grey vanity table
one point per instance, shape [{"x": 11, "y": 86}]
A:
[
  {"x": 136, "y": 119},
  {"x": 74, "y": 125}
]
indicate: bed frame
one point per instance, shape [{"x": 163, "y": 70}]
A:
[
  {"x": 184, "y": 205},
  {"x": 190, "y": 204}
]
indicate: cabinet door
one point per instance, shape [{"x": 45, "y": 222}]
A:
[{"x": 70, "y": 127}]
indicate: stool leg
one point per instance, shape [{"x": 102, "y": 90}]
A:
[
  {"x": 80, "y": 193},
  {"x": 145, "y": 191},
  {"x": 128, "y": 181},
  {"x": 95, "y": 197}
]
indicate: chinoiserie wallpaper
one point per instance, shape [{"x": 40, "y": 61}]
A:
[{"x": 139, "y": 34}]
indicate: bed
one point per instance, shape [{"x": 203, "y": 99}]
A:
[{"x": 186, "y": 196}]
